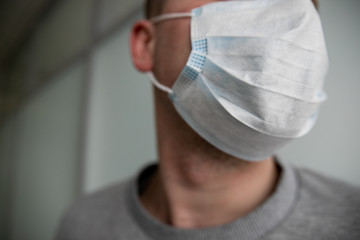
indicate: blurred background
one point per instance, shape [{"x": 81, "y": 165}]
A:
[{"x": 75, "y": 116}]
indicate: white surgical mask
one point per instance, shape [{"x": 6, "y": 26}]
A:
[{"x": 254, "y": 78}]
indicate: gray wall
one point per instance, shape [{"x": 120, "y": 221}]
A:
[{"x": 44, "y": 176}]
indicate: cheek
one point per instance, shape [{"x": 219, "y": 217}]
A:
[{"x": 172, "y": 50}]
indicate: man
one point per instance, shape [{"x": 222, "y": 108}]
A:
[{"x": 201, "y": 189}]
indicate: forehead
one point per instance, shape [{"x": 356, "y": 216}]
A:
[{"x": 172, "y": 6}]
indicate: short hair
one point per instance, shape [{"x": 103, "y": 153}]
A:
[
  {"x": 155, "y": 7},
  {"x": 316, "y": 4}
]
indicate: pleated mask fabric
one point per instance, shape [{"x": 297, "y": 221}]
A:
[{"x": 254, "y": 79}]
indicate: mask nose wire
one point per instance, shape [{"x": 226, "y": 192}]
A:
[{"x": 168, "y": 16}]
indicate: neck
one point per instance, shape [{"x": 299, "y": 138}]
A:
[{"x": 199, "y": 186}]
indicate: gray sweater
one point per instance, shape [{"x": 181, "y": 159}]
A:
[{"x": 305, "y": 205}]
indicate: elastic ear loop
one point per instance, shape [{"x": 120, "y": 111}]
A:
[
  {"x": 167, "y": 16},
  {"x": 154, "y": 21},
  {"x": 157, "y": 84}
]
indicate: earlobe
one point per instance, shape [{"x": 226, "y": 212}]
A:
[{"x": 142, "y": 45}]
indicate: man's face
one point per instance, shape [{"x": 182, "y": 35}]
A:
[{"x": 173, "y": 42}]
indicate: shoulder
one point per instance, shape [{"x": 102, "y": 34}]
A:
[
  {"x": 328, "y": 206},
  {"x": 321, "y": 186},
  {"x": 325, "y": 208},
  {"x": 92, "y": 216}
]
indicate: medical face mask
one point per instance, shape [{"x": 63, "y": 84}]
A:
[{"x": 254, "y": 78}]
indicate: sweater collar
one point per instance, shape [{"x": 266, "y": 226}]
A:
[{"x": 252, "y": 226}]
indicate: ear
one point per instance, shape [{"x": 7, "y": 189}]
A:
[{"x": 142, "y": 45}]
